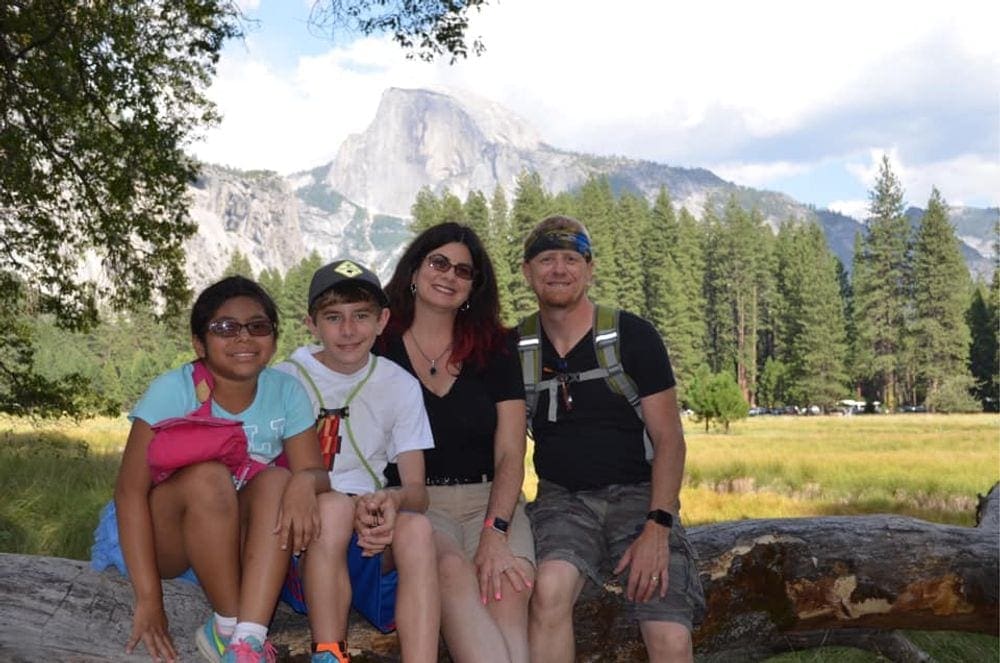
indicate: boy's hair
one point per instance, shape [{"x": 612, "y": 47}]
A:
[
  {"x": 214, "y": 296},
  {"x": 343, "y": 293}
]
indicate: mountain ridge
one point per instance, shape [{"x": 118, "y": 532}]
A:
[{"x": 358, "y": 204}]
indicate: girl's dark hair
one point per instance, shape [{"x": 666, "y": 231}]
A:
[
  {"x": 478, "y": 332},
  {"x": 214, "y": 296}
]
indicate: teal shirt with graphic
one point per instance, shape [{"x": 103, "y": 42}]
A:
[{"x": 281, "y": 408}]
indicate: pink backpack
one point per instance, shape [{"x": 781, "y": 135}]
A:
[{"x": 198, "y": 437}]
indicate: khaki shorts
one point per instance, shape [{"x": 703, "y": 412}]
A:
[
  {"x": 459, "y": 511},
  {"x": 591, "y": 529}
]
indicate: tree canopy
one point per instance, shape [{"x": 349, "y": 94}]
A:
[
  {"x": 99, "y": 101},
  {"x": 425, "y": 29}
]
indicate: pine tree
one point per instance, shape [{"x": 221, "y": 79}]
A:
[
  {"x": 239, "y": 265},
  {"x": 941, "y": 286},
  {"x": 502, "y": 252},
  {"x": 631, "y": 216},
  {"x": 425, "y": 211},
  {"x": 675, "y": 272},
  {"x": 476, "y": 212},
  {"x": 531, "y": 204},
  {"x": 881, "y": 288},
  {"x": 596, "y": 210},
  {"x": 983, "y": 349},
  {"x": 737, "y": 280},
  {"x": 812, "y": 341}
]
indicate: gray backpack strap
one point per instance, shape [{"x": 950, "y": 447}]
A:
[
  {"x": 607, "y": 345},
  {"x": 529, "y": 348}
]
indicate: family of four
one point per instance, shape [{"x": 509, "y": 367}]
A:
[{"x": 392, "y": 451}]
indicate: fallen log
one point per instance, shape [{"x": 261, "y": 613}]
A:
[{"x": 770, "y": 586}]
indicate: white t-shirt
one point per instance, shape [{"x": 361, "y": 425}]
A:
[{"x": 387, "y": 415}]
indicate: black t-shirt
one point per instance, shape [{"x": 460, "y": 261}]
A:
[
  {"x": 464, "y": 420},
  {"x": 599, "y": 441}
]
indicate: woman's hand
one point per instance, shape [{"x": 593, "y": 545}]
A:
[
  {"x": 298, "y": 518},
  {"x": 149, "y": 625},
  {"x": 494, "y": 561}
]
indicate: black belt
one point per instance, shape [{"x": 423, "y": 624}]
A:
[{"x": 457, "y": 481}]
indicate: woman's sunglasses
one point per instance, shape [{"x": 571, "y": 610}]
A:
[
  {"x": 441, "y": 264},
  {"x": 232, "y": 329}
]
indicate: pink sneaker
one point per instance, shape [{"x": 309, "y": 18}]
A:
[{"x": 250, "y": 650}]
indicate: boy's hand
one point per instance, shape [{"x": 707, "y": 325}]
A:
[
  {"x": 149, "y": 625},
  {"x": 298, "y": 517},
  {"x": 374, "y": 521}
]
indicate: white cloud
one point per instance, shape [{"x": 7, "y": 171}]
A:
[
  {"x": 962, "y": 180},
  {"x": 681, "y": 83},
  {"x": 856, "y": 209},
  {"x": 758, "y": 174}
]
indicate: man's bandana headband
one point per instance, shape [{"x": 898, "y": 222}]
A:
[{"x": 559, "y": 240}]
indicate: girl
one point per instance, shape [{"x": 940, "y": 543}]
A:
[
  {"x": 238, "y": 539},
  {"x": 445, "y": 329}
]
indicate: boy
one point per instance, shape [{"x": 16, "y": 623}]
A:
[{"x": 381, "y": 418}]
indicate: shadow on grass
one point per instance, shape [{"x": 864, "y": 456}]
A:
[{"x": 53, "y": 489}]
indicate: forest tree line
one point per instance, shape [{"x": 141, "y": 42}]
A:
[{"x": 775, "y": 315}]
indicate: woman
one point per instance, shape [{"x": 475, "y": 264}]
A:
[{"x": 445, "y": 329}]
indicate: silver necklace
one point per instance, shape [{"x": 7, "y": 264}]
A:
[{"x": 433, "y": 362}]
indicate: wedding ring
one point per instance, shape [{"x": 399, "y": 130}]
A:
[{"x": 654, "y": 578}]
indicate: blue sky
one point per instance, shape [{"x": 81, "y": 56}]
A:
[{"x": 800, "y": 97}]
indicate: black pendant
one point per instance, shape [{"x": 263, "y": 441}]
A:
[{"x": 433, "y": 370}]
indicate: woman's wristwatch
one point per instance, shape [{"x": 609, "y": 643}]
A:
[{"x": 496, "y": 523}]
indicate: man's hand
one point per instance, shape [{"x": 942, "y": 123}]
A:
[
  {"x": 149, "y": 624},
  {"x": 298, "y": 518},
  {"x": 647, "y": 559},
  {"x": 375, "y": 521}
]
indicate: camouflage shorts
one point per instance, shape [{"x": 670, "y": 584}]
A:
[{"x": 591, "y": 529}]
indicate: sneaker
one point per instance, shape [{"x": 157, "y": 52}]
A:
[
  {"x": 250, "y": 650},
  {"x": 332, "y": 653},
  {"x": 211, "y": 645}
]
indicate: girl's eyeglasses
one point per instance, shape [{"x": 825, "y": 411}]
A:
[
  {"x": 441, "y": 264},
  {"x": 232, "y": 329}
]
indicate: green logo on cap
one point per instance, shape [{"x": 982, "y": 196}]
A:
[{"x": 348, "y": 269}]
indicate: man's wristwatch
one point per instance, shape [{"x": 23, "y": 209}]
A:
[
  {"x": 495, "y": 523},
  {"x": 661, "y": 517}
]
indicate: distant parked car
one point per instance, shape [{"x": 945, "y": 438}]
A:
[
  {"x": 914, "y": 408},
  {"x": 754, "y": 411}
]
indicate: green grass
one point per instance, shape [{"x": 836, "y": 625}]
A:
[{"x": 55, "y": 477}]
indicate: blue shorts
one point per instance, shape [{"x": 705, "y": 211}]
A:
[{"x": 373, "y": 593}]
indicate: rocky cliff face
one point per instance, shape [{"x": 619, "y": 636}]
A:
[{"x": 358, "y": 204}]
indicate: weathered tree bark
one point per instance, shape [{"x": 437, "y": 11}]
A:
[{"x": 770, "y": 586}]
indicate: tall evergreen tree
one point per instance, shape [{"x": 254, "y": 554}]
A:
[
  {"x": 239, "y": 265},
  {"x": 477, "y": 214},
  {"x": 983, "y": 350},
  {"x": 425, "y": 211},
  {"x": 503, "y": 250},
  {"x": 631, "y": 216},
  {"x": 881, "y": 288},
  {"x": 531, "y": 204},
  {"x": 675, "y": 272},
  {"x": 736, "y": 280},
  {"x": 813, "y": 341},
  {"x": 941, "y": 286},
  {"x": 596, "y": 210}
]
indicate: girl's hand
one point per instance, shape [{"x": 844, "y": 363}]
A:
[
  {"x": 149, "y": 624},
  {"x": 298, "y": 518}
]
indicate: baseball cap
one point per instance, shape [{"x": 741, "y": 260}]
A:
[{"x": 345, "y": 271}]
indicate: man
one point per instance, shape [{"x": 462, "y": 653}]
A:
[{"x": 600, "y": 501}]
